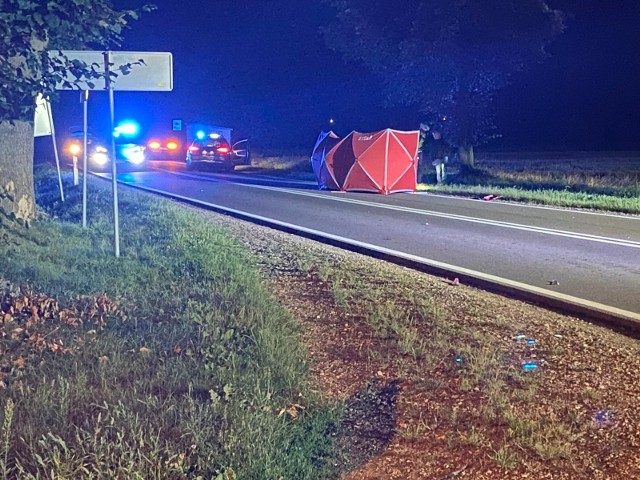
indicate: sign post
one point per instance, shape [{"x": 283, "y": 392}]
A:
[
  {"x": 85, "y": 99},
  {"x": 145, "y": 71},
  {"x": 43, "y": 125},
  {"x": 55, "y": 148},
  {"x": 114, "y": 177}
]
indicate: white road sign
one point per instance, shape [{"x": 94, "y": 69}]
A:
[
  {"x": 42, "y": 119},
  {"x": 155, "y": 73}
]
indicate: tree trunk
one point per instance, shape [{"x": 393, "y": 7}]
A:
[
  {"x": 17, "y": 195},
  {"x": 467, "y": 159}
]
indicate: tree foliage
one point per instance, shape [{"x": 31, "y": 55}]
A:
[
  {"x": 449, "y": 57},
  {"x": 29, "y": 29}
]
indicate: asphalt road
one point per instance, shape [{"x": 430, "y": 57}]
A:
[{"x": 590, "y": 256}]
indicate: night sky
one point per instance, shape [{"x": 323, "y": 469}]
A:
[{"x": 262, "y": 68}]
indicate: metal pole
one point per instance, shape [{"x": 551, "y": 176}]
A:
[
  {"x": 114, "y": 182},
  {"x": 85, "y": 98},
  {"x": 55, "y": 147}
]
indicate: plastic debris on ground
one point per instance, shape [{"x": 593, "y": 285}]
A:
[
  {"x": 603, "y": 418},
  {"x": 491, "y": 197}
]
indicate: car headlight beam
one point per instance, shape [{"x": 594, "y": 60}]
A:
[
  {"x": 134, "y": 155},
  {"x": 100, "y": 157}
]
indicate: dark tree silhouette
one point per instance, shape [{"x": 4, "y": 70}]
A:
[
  {"x": 29, "y": 30},
  {"x": 448, "y": 57}
]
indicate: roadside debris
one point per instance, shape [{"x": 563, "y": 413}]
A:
[
  {"x": 292, "y": 411},
  {"x": 529, "y": 340},
  {"x": 553, "y": 282},
  {"x": 603, "y": 418},
  {"x": 530, "y": 361},
  {"x": 452, "y": 475},
  {"x": 491, "y": 197}
]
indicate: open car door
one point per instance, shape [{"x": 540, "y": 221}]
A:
[{"x": 242, "y": 152}]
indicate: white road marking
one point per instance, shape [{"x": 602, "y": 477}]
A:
[
  {"x": 526, "y": 205},
  {"x": 432, "y": 194},
  {"x": 432, "y": 213},
  {"x": 568, "y": 299},
  {"x": 464, "y": 218}
]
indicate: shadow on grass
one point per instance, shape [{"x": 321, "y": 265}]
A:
[{"x": 367, "y": 425}]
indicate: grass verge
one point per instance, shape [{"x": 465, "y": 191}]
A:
[
  {"x": 436, "y": 352},
  {"x": 596, "y": 182},
  {"x": 625, "y": 202},
  {"x": 173, "y": 361}
]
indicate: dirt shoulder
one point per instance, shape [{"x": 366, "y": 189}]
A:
[{"x": 433, "y": 374}]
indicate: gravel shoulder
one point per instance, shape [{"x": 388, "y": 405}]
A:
[{"x": 440, "y": 390}]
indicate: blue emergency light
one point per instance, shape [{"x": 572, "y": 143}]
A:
[{"x": 127, "y": 128}]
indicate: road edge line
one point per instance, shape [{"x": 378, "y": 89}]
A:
[{"x": 559, "y": 302}]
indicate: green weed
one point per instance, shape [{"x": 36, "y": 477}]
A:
[
  {"x": 548, "y": 437},
  {"x": 473, "y": 437},
  {"x": 505, "y": 458}
]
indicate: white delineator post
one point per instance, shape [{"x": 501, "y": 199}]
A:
[{"x": 75, "y": 170}]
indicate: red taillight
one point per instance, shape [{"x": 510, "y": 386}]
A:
[
  {"x": 154, "y": 145},
  {"x": 223, "y": 149},
  {"x": 193, "y": 148},
  {"x": 172, "y": 146}
]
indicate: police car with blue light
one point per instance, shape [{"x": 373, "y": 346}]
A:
[
  {"x": 213, "y": 148},
  {"x": 98, "y": 149}
]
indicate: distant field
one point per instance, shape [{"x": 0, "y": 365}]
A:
[
  {"x": 575, "y": 158},
  {"x": 294, "y": 166},
  {"x": 593, "y": 168},
  {"x": 593, "y": 162}
]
